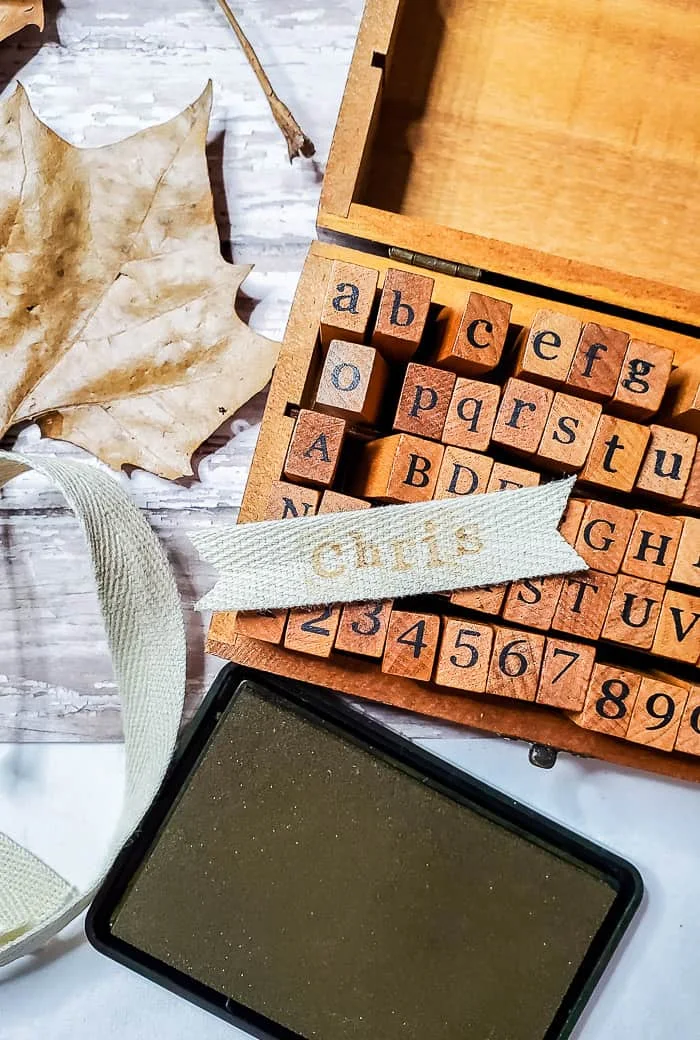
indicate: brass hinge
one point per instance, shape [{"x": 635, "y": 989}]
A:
[{"x": 434, "y": 263}]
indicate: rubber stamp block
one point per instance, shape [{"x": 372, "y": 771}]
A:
[
  {"x": 363, "y": 627},
  {"x": 616, "y": 454},
  {"x": 471, "y": 414},
  {"x": 667, "y": 464},
  {"x": 403, "y": 311},
  {"x": 688, "y": 738},
  {"x": 486, "y": 600},
  {"x": 657, "y": 714},
  {"x": 640, "y": 389},
  {"x": 334, "y": 502},
  {"x": 603, "y": 535},
  {"x": 566, "y": 672},
  {"x": 532, "y": 602},
  {"x": 634, "y": 612},
  {"x": 411, "y": 644},
  {"x": 508, "y": 478},
  {"x": 312, "y": 630},
  {"x": 683, "y": 408},
  {"x": 678, "y": 631},
  {"x": 691, "y": 498},
  {"x": 653, "y": 546},
  {"x": 352, "y": 382},
  {"x": 314, "y": 449},
  {"x": 522, "y": 416},
  {"x": 267, "y": 625},
  {"x": 610, "y": 700},
  {"x": 597, "y": 362},
  {"x": 568, "y": 433},
  {"x": 686, "y": 568},
  {"x": 570, "y": 523},
  {"x": 547, "y": 348},
  {"x": 348, "y": 305},
  {"x": 463, "y": 473},
  {"x": 472, "y": 342},
  {"x": 424, "y": 401},
  {"x": 399, "y": 468},
  {"x": 288, "y": 501},
  {"x": 516, "y": 661},
  {"x": 583, "y": 604},
  {"x": 464, "y": 655}
]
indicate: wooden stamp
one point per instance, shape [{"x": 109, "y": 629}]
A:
[
  {"x": 334, "y": 502},
  {"x": 508, "y": 478},
  {"x": 610, "y": 700},
  {"x": 349, "y": 301},
  {"x": 288, "y": 501},
  {"x": 399, "y": 468},
  {"x": 314, "y": 449},
  {"x": 683, "y": 409},
  {"x": 686, "y": 569},
  {"x": 486, "y": 600},
  {"x": 570, "y": 524},
  {"x": 634, "y": 612},
  {"x": 691, "y": 498},
  {"x": 688, "y": 738},
  {"x": 653, "y": 546},
  {"x": 471, "y": 414},
  {"x": 666, "y": 467},
  {"x": 597, "y": 362},
  {"x": 643, "y": 380},
  {"x": 312, "y": 630},
  {"x": 532, "y": 602},
  {"x": 678, "y": 631},
  {"x": 462, "y": 473},
  {"x": 267, "y": 625},
  {"x": 568, "y": 433},
  {"x": 352, "y": 382},
  {"x": 603, "y": 535},
  {"x": 472, "y": 342},
  {"x": 424, "y": 401},
  {"x": 363, "y": 627},
  {"x": 411, "y": 644},
  {"x": 616, "y": 454},
  {"x": 583, "y": 604},
  {"x": 657, "y": 714},
  {"x": 464, "y": 655},
  {"x": 566, "y": 672},
  {"x": 547, "y": 348},
  {"x": 516, "y": 661},
  {"x": 522, "y": 416},
  {"x": 403, "y": 311}
]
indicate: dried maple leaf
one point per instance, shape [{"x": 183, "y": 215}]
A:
[
  {"x": 15, "y": 14},
  {"x": 118, "y": 328}
]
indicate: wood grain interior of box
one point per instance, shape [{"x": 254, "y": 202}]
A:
[
  {"x": 293, "y": 383},
  {"x": 553, "y": 142}
]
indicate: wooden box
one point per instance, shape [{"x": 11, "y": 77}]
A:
[{"x": 545, "y": 155}]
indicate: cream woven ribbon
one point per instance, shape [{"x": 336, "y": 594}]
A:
[
  {"x": 145, "y": 630},
  {"x": 373, "y": 554},
  {"x": 390, "y": 552}
]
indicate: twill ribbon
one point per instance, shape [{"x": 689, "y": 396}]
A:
[{"x": 373, "y": 554}]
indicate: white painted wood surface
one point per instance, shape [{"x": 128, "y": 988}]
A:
[{"x": 100, "y": 72}]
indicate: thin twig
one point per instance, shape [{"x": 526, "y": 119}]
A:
[{"x": 297, "y": 141}]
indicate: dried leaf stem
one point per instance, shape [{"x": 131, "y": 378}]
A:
[{"x": 297, "y": 141}]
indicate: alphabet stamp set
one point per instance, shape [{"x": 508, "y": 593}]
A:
[{"x": 408, "y": 376}]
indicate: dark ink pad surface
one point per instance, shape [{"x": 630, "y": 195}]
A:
[{"x": 312, "y": 878}]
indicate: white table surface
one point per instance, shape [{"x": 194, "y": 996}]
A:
[{"x": 106, "y": 70}]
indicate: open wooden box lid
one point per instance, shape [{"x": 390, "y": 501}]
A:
[{"x": 555, "y": 141}]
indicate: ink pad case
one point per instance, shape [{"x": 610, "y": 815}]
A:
[{"x": 307, "y": 874}]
